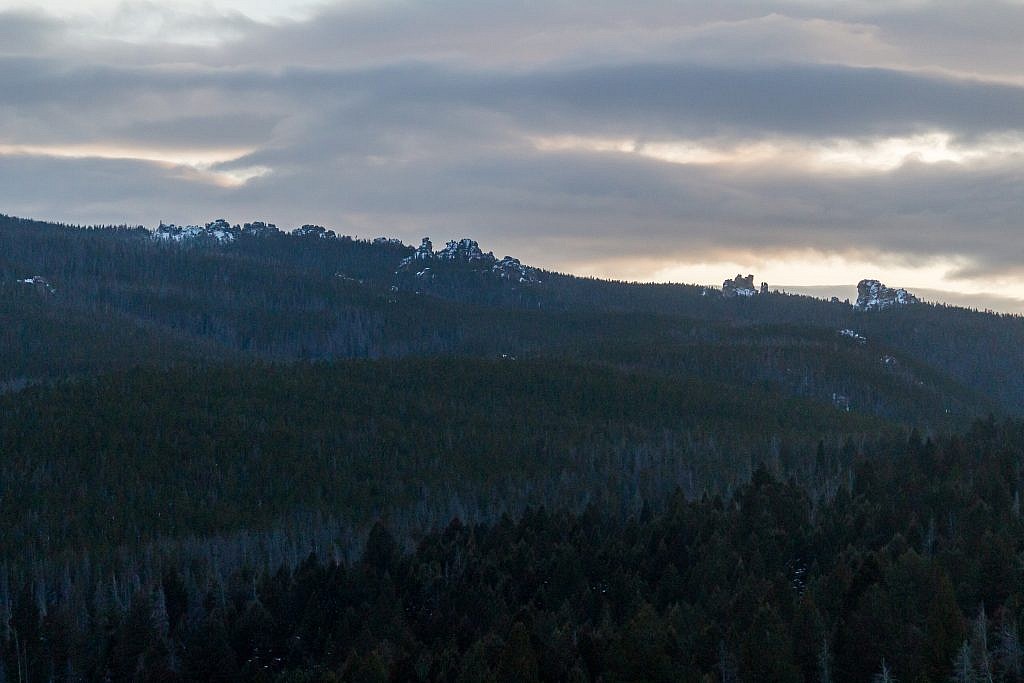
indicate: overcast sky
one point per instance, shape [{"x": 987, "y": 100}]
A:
[{"x": 809, "y": 143}]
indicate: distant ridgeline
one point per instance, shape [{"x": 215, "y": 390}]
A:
[
  {"x": 872, "y": 295},
  {"x": 82, "y": 301},
  {"x": 459, "y": 270},
  {"x": 444, "y": 272}
]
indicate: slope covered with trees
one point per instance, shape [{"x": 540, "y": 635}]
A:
[
  {"x": 122, "y": 299},
  {"x": 904, "y": 563},
  {"x": 130, "y": 458},
  {"x": 241, "y": 454}
]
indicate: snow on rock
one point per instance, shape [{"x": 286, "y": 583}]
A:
[
  {"x": 177, "y": 233},
  {"x": 854, "y": 335},
  {"x": 511, "y": 269},
  {"x": 40, "y": 283},
  {"x": 872, "y": 295},
  {"x": 219, "y": 231},
  {"x": 464, "y": 252},
  {"x": 425, "y": 251}
]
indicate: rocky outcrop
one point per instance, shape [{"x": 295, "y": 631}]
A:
[
  {"x": 219, "y": 231},
  {"x": 314, "y": 232},
  {"x": 742, "y": 286},
  {"x": 512, "y": 270},
  {"x": 424, "y": 252},
  {"x": 459, "y": 256},
  {"x": 464, "y": 251},
  {"x": 872, "y": 295}
]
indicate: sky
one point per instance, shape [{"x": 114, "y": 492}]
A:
[{"x": 809, "y": 143}]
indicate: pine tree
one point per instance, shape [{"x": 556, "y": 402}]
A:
[
  {"x": 884, "y": 675},
  {"x": 517, "y": 663},
  {"x": 824, "y": 662},
  {"x": 963, "y": 668},
  {"x": 1009, "y": 654},
  {"x": 979, "y": 648}
]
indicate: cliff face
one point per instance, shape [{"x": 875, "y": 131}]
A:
[{"x": 873, "y": 295}]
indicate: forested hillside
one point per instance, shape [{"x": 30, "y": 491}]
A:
[
  {"x": 234, "y": 453},
  {"x": 892, "y": 559},
  {"x": 129, "y": 458},
  {"x": 118, "y": 298}
]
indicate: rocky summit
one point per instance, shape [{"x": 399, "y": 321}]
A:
[
  {"x": 872, "y": 295},
  {"x": 464, "y": 251},
  {"x": 742, "y": 286},
  {"x": 464, "y": 255},
  {"x": 315, "y": 232},
  {"x": 218, "y": 231}
]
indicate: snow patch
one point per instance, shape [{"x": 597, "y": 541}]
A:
[
  {"x": 854, "y": 335},
  {"x": 40, "y": 283}
]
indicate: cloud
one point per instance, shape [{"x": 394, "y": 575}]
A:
[
  {"x": 102, "y": 191},
  {"x": 641, "y": 100},
  {"x": 26, "y": 32}
]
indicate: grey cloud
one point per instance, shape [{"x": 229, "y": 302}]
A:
[
  {"x": 976, "y": 37},
  {"x": 644, "y": 100},
  {"x": 796, "y": 100},
  {"x": 84, "y": 191},
  {"x": 27, "y": 32},
  {"x": 198, "y": 131},
  {"x": 973, "y": 37}
]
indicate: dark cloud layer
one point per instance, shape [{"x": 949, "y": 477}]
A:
[
  {"x": 640, "y": 99},
  {"x": 296, "y": 123}
]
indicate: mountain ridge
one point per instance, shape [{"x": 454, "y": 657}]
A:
[{"x": 265, "y": 294}]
